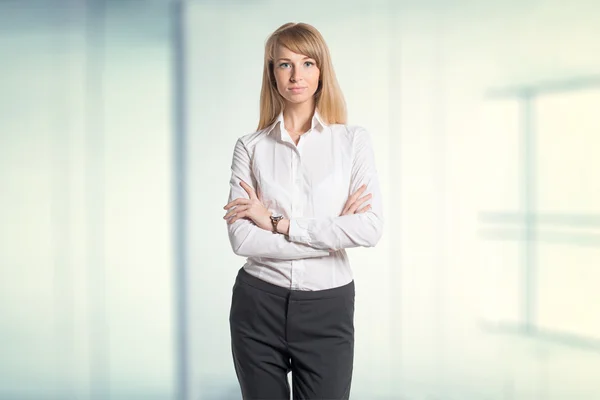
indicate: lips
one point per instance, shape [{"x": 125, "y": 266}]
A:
[{"x": 297, "y": 89}]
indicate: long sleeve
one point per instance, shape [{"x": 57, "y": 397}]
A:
[
  {"x": 247, "y": 239},
  {"x": 354, "y": 230}
]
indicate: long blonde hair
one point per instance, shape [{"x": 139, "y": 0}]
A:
[{"x": 304, "y": 39}]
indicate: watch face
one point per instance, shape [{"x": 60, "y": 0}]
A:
[{"x": 277, "y": 216}]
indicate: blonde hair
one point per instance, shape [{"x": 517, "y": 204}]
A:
[{"x": 303, "y": 39}]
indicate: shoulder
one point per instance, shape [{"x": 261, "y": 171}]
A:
[
  {"x": 352, "y": 133},
  {"x": 250, "y": 140}
]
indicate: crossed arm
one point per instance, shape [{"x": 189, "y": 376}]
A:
[{"x": 249, "y": 225}]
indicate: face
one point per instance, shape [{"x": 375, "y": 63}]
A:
[{"x": 297, "y": 75}]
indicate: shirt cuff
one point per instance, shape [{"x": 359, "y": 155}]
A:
[{"x": 298, "y": 231}]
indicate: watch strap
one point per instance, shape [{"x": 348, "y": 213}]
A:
[{"x": 275, "y": 221}]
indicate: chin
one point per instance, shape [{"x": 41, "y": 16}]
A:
[{"x": 299, "y": 100}]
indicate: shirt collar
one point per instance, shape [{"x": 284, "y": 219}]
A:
[{"x": 317, "y": 123}]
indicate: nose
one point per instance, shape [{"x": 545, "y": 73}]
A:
[{"x": 295, "y": 75}]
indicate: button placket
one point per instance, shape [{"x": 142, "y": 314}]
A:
[
  {"x": 296, "y": 211},
  {"x": 294, "y": 186},
  {"x": 297, "y": 182}
]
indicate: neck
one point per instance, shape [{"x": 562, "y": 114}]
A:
[{"x": 297, "y": 117}]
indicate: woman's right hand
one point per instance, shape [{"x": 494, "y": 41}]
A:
[{"x": 354, "y": 202}]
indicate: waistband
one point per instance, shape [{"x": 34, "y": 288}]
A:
[{"x": 245, "y": 277}]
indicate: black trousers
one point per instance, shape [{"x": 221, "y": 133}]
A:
[{"x": 275, "y": 330}]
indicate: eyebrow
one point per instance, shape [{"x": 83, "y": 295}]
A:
[{"x": 287, "y": 59}]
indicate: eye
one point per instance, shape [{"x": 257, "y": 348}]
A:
[
  {"x": 309, "y": 64},
  {"x": 284, "y": 65}
]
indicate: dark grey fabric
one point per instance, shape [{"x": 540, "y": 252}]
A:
[{"x": 275, "y": 330}]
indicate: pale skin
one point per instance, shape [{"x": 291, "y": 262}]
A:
[{"x": 297, "y": 77}]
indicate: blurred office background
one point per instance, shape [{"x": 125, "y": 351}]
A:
[{"x": 117, "y": 125}]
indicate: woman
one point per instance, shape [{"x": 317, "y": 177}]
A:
[{"x": 303, "y": 189}]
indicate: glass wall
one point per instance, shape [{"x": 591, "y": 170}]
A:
[{"x": 86, "y": 286}]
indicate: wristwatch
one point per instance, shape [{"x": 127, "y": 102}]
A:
[{"x": 275, "y": 218}]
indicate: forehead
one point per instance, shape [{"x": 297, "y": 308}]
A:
[{"x": 284, "y": 52}]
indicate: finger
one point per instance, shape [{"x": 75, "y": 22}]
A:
[
  {"x": 353, "y": 197},
  {"x": 358, "y": 202},
  {"x": 361, "y": 188},
  {"x": 236, "y": 210},
  {"x": 357, "y": 194},
  {"x": 236, "y": 202},
  {"x": 346, "y": 207},
  {"x": 237, "y": 216},
  {"x": 364, "y": 209},
  {"x": 248, "y": 189},
  {"x": 363, "y": 199}
]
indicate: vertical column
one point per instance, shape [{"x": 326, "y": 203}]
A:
[
  {"x": 180, "y": 196},
  {"x": 95, "y": 191},
  {"x": 528, "y": 201},
  {"x": 395, "y": 190}
]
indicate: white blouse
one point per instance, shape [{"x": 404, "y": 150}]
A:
[{"x": 309, "y": 184}]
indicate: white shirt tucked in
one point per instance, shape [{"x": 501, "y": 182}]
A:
[{"x": 309, "y": 184}]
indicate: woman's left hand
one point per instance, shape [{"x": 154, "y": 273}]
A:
[{"x": 250, "y": 208}]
